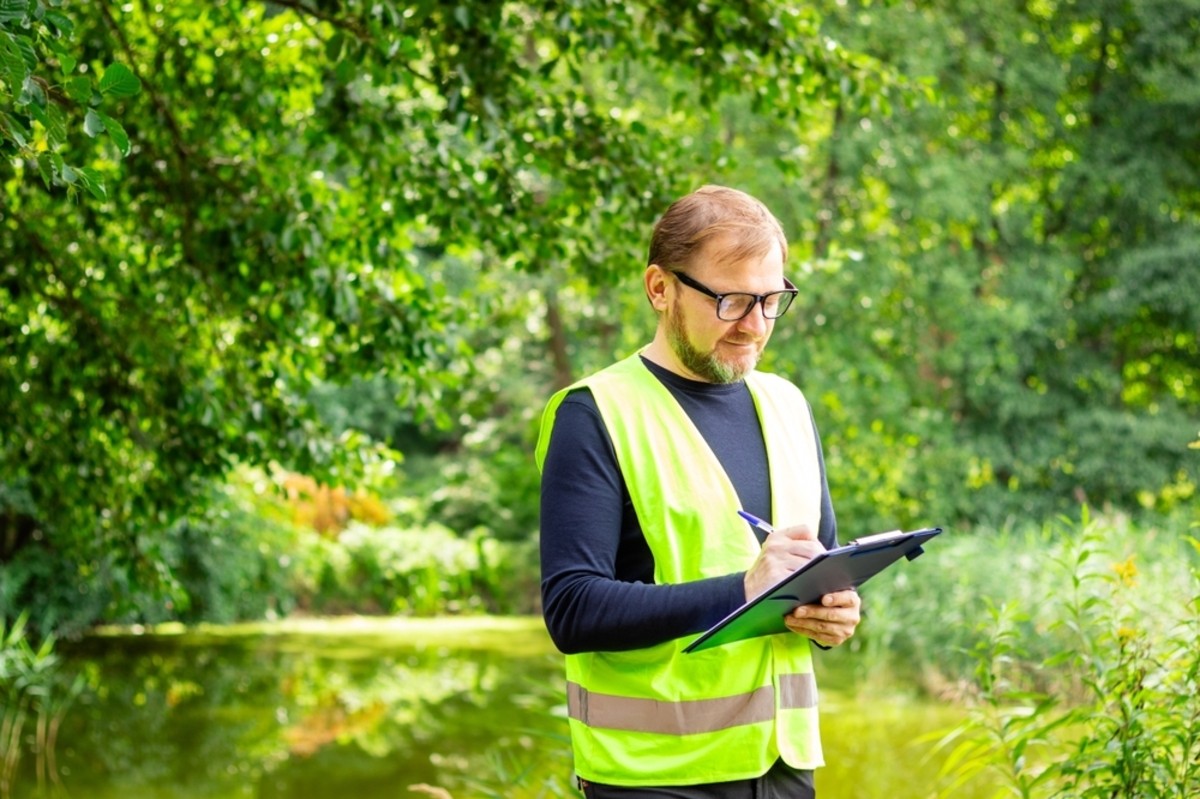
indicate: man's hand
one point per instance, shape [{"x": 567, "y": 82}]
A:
[
  {"x": 782, "y": 553},
  {"x": 829, "y": 623}
]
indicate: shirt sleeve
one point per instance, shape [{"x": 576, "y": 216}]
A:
[{"x": 587, "y": 607}]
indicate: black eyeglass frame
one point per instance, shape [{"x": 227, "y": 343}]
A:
[{"x": 760, "y": 300}]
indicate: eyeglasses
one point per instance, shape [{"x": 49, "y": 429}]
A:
[{"x": 736, "y": 304}]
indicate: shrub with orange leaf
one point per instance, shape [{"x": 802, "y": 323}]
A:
[{"x": 328, "y": 509}]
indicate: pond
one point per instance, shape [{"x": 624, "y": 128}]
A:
[{"x": 460, "y": 707}]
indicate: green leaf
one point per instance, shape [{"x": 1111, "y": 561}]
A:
[
  {"x": 46, "y": 168},
  {"x": 54, "y": 121},
  {"x": 92, "y": 124},
  {"x": 1060, "y": 658},
  {"x": 13, "y": 69},
  {"x": 93, "y": 181},
  {"x": 13, "y": 10},
  {"x": 13, "y": 129},
  {"x": 32, "y": 92},
  {"x": 60, "y": 21},
  {"x": 28, "y": 55},
  {"x": 333, "y": 47},
  {"x": 116, "y": 133},
  {"x": 119, "y": 81},
  {"x": 61, "y": 50},
  {"x": 79, "y": 88}
]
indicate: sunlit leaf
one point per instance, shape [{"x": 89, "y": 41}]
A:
[
  {"x": 119, "y": 81},
  {"x": 117, "y": 133},
  {"x": 92, "y": 124}
]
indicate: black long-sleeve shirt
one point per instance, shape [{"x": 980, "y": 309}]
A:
[{"x": 598, "y": 590}]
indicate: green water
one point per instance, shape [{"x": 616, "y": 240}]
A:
[{"x": 368, "y": 709}]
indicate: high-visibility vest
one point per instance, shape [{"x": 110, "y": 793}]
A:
[{"x": 658, "y": 716}]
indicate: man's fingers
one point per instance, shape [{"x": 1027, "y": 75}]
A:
[
  {"x": 806, "y": 550},
  {"x": 836, "y": 615},
  {"x": 782, "y": 553},
  {"x": 823, "y": 632},
  {"x": 841, "y": 599},
  {"x": 799, "y": 532},
  {"x": 798, "y": 542},
  {"x": 830, "y": 623}
]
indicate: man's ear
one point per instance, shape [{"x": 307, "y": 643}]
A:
[{"x": 658, "y": 285}]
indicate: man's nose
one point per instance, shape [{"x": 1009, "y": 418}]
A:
[{"x": 755, "y": 321}]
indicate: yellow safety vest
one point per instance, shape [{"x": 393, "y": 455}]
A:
[{"x": 658, "y": 716}]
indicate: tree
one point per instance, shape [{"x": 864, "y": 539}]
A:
[
  {"x": 299, "y": 179},
  {"x": 1004, "y": 276}
]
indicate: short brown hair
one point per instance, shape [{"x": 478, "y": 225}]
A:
[{"x": 708, "y": 212}]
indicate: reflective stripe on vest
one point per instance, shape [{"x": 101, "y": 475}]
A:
[{"x": 796, "y": 691}]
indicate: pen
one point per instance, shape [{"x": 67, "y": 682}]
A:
[{"x": 756, "y": 522}]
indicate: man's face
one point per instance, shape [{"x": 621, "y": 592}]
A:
[{"x": 709, "y": 349}]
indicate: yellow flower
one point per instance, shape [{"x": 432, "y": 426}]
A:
[{"x": 1126, "y": 571}]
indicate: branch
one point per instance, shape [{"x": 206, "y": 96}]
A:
[
  {"x": 360, "y": 32},
  {"x": 159, "y": 103},
  {"x": 829, "y": 188},
  {"x": 1096, "y": 84},
  {"x": 85, "y": 323}
]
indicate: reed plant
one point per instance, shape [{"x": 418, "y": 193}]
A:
[{"x": 34, "y": 697}]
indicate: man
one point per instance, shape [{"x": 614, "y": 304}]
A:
[{"x": 645, "y": 465}]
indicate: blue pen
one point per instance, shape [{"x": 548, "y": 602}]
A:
[{"x": 756, "y": 522}]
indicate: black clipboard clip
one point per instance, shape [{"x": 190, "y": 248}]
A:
[{"x": 893, "y": 537}]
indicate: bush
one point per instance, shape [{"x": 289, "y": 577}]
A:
[
  {"x": 420, "y": 570},
  {"x": 1106, "y": 704},
  {"x": 234, "y": 561},
  {"x": 248, "y": 557}
]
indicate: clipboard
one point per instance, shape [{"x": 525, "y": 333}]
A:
[{"x": 834, "y": 570}]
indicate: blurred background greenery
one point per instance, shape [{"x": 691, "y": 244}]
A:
[
  {"x": 348, "y": 252},
  {"x": 284, "y": 286}
]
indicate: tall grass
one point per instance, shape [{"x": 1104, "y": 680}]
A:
[
  {"x": 928, "y": 618},
  {"x": 1075, "y": 645}
]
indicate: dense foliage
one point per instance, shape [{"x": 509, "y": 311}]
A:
[
  {"x": 309, "y": 194},
  {"x": 364, "y": 240},
  {"x": 1017, "y": 328}
]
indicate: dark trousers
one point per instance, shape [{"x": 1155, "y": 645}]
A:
[{"x": 781, "y": 782}]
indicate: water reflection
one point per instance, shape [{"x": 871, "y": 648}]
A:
[
  {"x": 312, "y": 715},
  {"x": 447, "y": 708}
]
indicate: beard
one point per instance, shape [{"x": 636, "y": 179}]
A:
[{"x": 707, "y": 365}]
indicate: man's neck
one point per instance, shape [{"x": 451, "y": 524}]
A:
[{"x": 659, "y": 352}]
